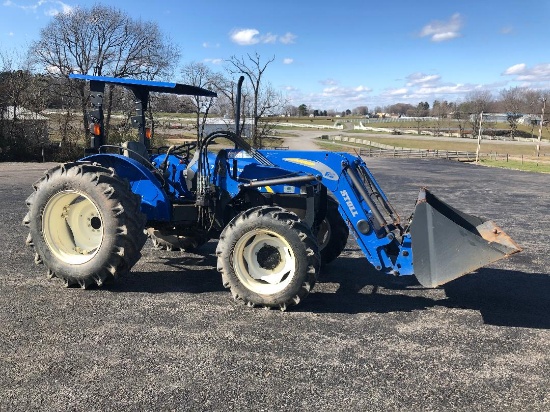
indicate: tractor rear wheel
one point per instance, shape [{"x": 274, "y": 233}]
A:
[
  {"x": 333, "y": 233},
  {"x": 268, "y": 257},
  {"x": 85, "y": 224}
]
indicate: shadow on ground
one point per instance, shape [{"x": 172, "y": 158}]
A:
[
  {"x": 503, "y": 297},
  {"x": 186, "y": 274}
]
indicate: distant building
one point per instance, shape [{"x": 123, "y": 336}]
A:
[
  {"x": 491, "y": 117},
  {"x": 13, "y": 112},
  {"x": 529, "y": 119}
]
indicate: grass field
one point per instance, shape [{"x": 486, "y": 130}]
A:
[
  {"x": 467, "y": 145},
  {"x": 530, "y": 166}
]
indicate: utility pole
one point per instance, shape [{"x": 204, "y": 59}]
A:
[
  {"x": 540, "y": 126},
  {"x": 479, "y": 137}
]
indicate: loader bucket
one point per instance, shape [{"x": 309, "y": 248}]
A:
[{"x": 448, "y": 243}]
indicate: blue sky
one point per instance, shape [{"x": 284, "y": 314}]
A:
[{"x": 343, "y": 55}]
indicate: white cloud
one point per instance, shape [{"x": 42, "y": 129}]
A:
[
  {"x": 288, "y": 60},
  {"x": 507, "y": 30},
  {"x": 331, "y": 97},
  {"x": 445, "y": 36},
  {"x": 213, "y": 61},
  {"x": 362, "y": 89},
  {"x": 328, "y": 82},
  {"x": 529, "y": 75},
  {"x": 288, "y": 38},
  {"x": 515, "y": 69},
  {"x": 440, "y": 31},
  {"x": 54, "y": 7},
  {"x": 269, "y": 38},
  {"x": 348, "y": 94},
  {"x": 421, "y": 78},
  {"x": 248, "y": 37},
  {"x": 245, "y": 37},
  {"x": 427, "y": 87},
  {"x": 397, "y": 92},
  {"x": 207, "y": 45},
  {"x": 444, "y": 90}
]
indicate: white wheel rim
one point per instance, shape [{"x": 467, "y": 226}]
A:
[
  {"x": 264, "y": 261},
  {"x": 72, "y": 226}
]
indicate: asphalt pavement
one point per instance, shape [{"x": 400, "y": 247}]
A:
[{"x": 168, "y": 336}]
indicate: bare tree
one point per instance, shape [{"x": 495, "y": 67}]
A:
[
  {"x": 531, "y": 104},
  {"x": 270, "y": 103},
  {"x": 460, "y": 117},
  {"x": 253, "y": 68},
  {"x": 439, "y": 110},
  {"x": 103, "y": 41},
  {"x": 476, "y": 102},
  {"x": 23, "y": 131},
  {"x": 361, "y": 110},
  {"x": 420, "y": 112},
  {"x": 512, "y": 101},
  {"x": 400, "y": 109},
  {"x": 291, "y": 110},
  {"x": 227, "y": 99},
  {"x": 199, "y": 75}
]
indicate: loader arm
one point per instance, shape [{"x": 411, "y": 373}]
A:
[
  {"x": 438, "y": 245},
  {"x": 371, "y": 218}
]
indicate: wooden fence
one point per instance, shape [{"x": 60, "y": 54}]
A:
[
  {"x": 443, "y": 154},
  {"x": 419, "y": 154}
]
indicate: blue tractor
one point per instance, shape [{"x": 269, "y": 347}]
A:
[{"x": 277, "y": 215}]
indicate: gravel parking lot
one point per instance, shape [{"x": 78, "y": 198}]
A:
[{"x": 169, "y": 336}]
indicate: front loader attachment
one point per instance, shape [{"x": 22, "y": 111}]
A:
[{"x": 448, "y": 243}]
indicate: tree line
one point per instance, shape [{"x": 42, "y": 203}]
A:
[{"x": 513, "y": 102}]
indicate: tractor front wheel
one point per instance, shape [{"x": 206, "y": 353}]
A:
[
  {"x": 333, "y": 233},
  {"x": 85, "y": 224},
  {"x": 268, "y": 257}
]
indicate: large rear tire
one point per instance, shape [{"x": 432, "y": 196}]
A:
[
  {"x": 268, "y": 257},
  {"x": 85, "y": 224},
  {"x": 333, "y": 233}
]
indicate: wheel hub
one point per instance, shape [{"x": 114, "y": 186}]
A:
[
  {"x": 95, "y": 222},
  {"x": 268, "y": 257},
  {"x": 324, "y": 233}
]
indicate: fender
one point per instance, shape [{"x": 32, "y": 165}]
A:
[{"x": 154, "y": 200}]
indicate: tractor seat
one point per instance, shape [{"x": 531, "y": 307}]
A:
[{"x": 137, "y": 151}]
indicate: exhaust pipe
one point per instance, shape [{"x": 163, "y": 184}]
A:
[
  {"x": 238, "y": 106},
  {"x": 448, "y": 243}
]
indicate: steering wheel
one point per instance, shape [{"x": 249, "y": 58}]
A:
[{"x": 184, "y": 148}]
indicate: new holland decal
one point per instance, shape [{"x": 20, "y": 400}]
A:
[{"x": 323, "y": 169}]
